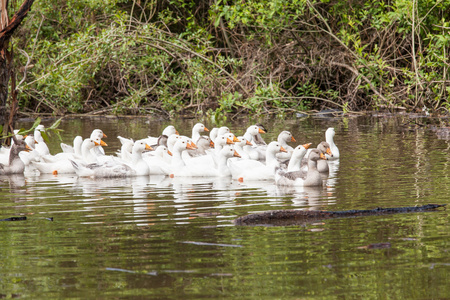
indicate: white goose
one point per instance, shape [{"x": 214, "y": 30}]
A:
[
  {"x": 159, "y": 161},
  {"x": 253, "y": 135},
  {"x": 299, "y": 178},
  {"x": 329, "y": 138},
  {"x": 137, "y": 162},
  {"x": 198, "y": 167},
  {"x": 168, "y": 131},
  {"x": 115, "y": 168},
  {"x": 256, "y": 170},
  {"x": 297, "y": 157},
  {"x": 283, "y": 138},
  {"x": 76, "y": 148},
  {"x": 215, "y": 132},
  {"x": 98, "y": 134},
  {"x": 41, "y": 146},
  {"x": 196, "y": 130},
  {"x": 239, "y": 147},
  {"x": 125, "y": 149},
  {"x": 61, "y": 162}
]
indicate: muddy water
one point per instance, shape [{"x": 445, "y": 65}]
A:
[{"x": 163, "y": 238}]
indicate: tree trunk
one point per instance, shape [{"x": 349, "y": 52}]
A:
[{"x": 6, "y": 68}]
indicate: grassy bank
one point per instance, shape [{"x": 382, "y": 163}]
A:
[{"x": 231, "y": 57}]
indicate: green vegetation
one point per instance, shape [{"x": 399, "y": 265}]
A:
[{"x": 230, "y": 57}]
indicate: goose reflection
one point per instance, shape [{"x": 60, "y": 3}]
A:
[{"x": 15, "y": 182}]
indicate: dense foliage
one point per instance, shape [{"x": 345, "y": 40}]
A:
[{"x": 224, "y": 56}]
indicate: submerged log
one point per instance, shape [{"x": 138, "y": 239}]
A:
[
  {"x": 295, "y": 217},
  {"x": 14, "y": 219}
]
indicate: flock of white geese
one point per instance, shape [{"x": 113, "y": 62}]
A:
[{"x": 219, "y": 154}]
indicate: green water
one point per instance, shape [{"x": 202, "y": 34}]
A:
[{"x": 163, "y": 238}]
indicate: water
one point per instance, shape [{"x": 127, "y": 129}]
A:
[{"x": 163, "y": 238}]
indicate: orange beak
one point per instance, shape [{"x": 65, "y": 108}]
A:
[
  {"x": 329, "y": 152},
  {"x": 235, "y": 139},
  {"x": 102, "y": 143},
  {"x": 168, "y": 152},
  {"x": 176, "y": 132},
  {"x": 147, "y": 147},
  {"x": 248, "y": 143},
  {"x": 27, "y": 148},
  {"x": 292, "y": 139},
  {"x": 206, "y": 129},
  {"x": 306, "y": 146},
  {"x": 191, "y": 146},
  {"x": 211, "y": 144},
  {"x": 104, "y": 135},
  {"x": 282, "y": 149},
  {"x": 236, "y": 154},
  {"x": 322, "y": 156},
  {"x": 260, "y": 130},
  {"x": 229, "y": 141}
]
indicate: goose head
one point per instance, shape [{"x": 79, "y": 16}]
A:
[
  {"x": 275, "y": 147},
  {"x": 140, "y": 146},
  {"x": 300, "y": 151},
  {"x": 324, "y": 147},
  {"x": 316, "y": 154},
  {"x": 169, "y": 130},
  {"x": 199, "y": 127},
  {"x": 255, "y": 129},
  {"x": 285, "y": 136},
  {"x": 97, "y": 133},
  {"x": 204, "y": 142},
  {"x": 228, "y": 152}
]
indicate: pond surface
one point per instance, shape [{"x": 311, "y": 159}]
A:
[{"x": 170, "y": 238}]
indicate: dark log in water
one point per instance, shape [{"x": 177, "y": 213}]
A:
[
  {"x": 296, "y": 217},
  {"x": 14, "y": 219}
]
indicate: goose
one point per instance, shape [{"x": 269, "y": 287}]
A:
[
  {"x": 329, "y": 138},
  {"x": 15, "y": 164},
  {"x": 28, "y": 156},
  {"x": 258, "y": 140},
  {"x": 322, "y": 165},
  {"x": 41, "y": 146},
  {"x": 61, "y": 162},
  {"x": 76, "y": 148},
  {"x": 283, "y": 138},
  {"x": 4, "y": 150},
  {"x": 168, "y": 131},
  {"x": 239, "y": 147},
  {"x": 159, "y": 161},
  {"x": 178, "y": 163},
  {"x": 203, "y": 143},
  {"x": 196, "y": 130},
  {"x": 251, "y": 134},
  {"x": 116, "y": 168},
  {"x": 138, "y": 164},
  {"x": 297, "y": 157},
  {"x": 98, "y": 134},
  {"x": 215, "y": 132},
  {"x": 162, "y": 141},
  {"x": 298, "y": 178},
  {"x": 125, "y": 150},
  {"x": 198, "y": 167},
  {"x": 256, "y": 170}
]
